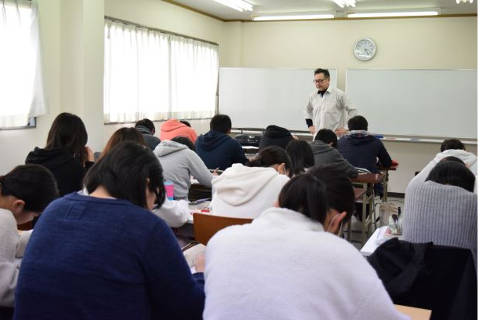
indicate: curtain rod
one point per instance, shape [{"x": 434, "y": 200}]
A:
[{"x": 159, "y": 30}]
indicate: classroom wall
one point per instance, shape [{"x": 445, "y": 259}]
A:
[
  {"x": 72, "y": 47},
  {"x": 412, "y": 43}
]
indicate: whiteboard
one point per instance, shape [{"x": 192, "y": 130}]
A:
[
  {"x": 258, "y": 97},
  {"x": 434, "y": 103}
]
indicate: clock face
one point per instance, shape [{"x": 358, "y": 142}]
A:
[{"x": 364, "y": 49}]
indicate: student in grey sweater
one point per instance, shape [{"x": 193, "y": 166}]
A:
[
  {"x": 147, "y": 129},
  {"x": 443, "y": 209},
  {"x": 179, "y": 162},
  {"x": 24, "y": 193},
  {"x": 325, "y": 152}
]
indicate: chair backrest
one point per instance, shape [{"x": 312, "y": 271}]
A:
[{"x": 206, "y": 225}]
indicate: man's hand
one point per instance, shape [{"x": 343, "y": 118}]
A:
[
  {"x": 312, "y": 129},
  {"x": 341, "y": 132}
]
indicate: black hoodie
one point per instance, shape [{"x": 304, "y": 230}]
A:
[
  {"x": 275, "y": 136},
  {"x": 67, "y": 171}
]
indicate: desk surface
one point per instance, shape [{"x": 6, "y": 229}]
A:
[
  {"x": 368, "y": 178},
  {"x": 414, "y": 313}
]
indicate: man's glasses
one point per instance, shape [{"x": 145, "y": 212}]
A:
[{"x": 319, "y": 80}]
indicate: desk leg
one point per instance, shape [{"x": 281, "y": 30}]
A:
[
  {"x": 385, "y": 187},
  {"x": 364, "y": 217}
]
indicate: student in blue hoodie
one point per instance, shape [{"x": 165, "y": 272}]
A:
[
  {"x": 362, "y": 149},
  {"x": 216, "y": 148}
]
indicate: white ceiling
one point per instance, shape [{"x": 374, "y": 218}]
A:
[{"x": 285, "y": 7}]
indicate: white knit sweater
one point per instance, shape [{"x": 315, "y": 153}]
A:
[
  {"x": 12, "y": 247},
  {"x": 284, "y": 266},
  {"x": 443, "y": 214}
]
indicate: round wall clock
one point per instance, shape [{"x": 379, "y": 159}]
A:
[{"x": 364, "y": 49}]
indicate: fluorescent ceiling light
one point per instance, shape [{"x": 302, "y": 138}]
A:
[
  {"x": 345, "y": 3},
  {"x": 239, "y": 5},
  {"x": 464, "y": 1},
  {"x": 295, "y": 17},
  {"x": 393, "y": 14}
]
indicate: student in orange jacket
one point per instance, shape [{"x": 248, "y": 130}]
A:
[{"x": 173, "y": 128}]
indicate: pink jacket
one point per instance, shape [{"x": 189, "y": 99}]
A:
[{"x": 173, "y": 128}]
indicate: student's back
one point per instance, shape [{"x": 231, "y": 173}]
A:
[
  {"x": 216, "y": 148},
  {"x": 219, "y": 150},
  {"x": 362, "y": 149},
  {"x": 65, "y": 154},
  {"x": 173, "y": 128}
]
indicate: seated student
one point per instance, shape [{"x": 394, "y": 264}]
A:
[
  {"x": 244, "y": 191},
  {"x": 105, "y": 255},
  {"x": 301, "y": 155},
  {"x": 443, "y": 209},
  {"x": 216, "y": 148},
  {"x": 325, "y": 152},
  {"x": 179, "y": 163},
  {"x": 24, "y": 193},
  {"x": 275, "y": 136},
  {"x": 173, "y": 128},
  {"x": 449, "y": 148},
  {"x": 287, "y": 264},
  {"x": 175, "y": 213},
  {"x": 123, "y": 134},
  {"x": 362, "y": 149},
  {"x": 147, "y": 129},
  {"x": 66, "y": 154}
]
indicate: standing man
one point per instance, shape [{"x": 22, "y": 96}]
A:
[{"x": 327, "y": 107}]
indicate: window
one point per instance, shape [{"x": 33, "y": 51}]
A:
[
  {"x": 157, "y": 75},
  {"x": 21, "y": 92}
]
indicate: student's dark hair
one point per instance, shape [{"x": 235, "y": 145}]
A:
[
  {"x": 185, "y": 141},
  {"x": 270, "y": 156},
  {"x": 448, "y": 144},
  {"x": 327, "y": 136},
  {"x": 301, "y": 156},
  {"x": 221, "y": 123},
  {"x": 340, "y": 195},
  {"x": 305, "y": 194},
  {"x": 124, "y": 171},
  {"x": 358, "y": 123},
  {"x": 123, "y": 134},
  {"x": 452, "y": 173},
  {"x": 185, "y": 122},
  {"x": 325, "y": 72},
  {"x": 32, "y": 183},
  {"x": 68, "y": 132},
  {"x": 147, "y": 123},
  {"x": 451, "y": 158}
]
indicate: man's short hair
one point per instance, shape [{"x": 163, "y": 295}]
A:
[
  {"x": 358, "y": 123},
  {"x": 147, "y": 123},
  {"x": 327, "y": 136},
  {"x": 324, "y": 71},
  {"x": 448, "y": 144},
  {"x": 221, "y": 123}
]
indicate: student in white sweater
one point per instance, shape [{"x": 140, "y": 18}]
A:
[
  {"x": 244, "y": 191},
  {"x": 449, "y": 148},
  {"x": 443, "y": 209},
  {"x": 24, "y": 193},
  {"x": 284, "y": 265}
]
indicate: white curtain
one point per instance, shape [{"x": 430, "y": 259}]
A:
[
  {"x": 21, "y": 91},
  {"x": 156, "y": 75},
  {"x": 194, "y": 68}
]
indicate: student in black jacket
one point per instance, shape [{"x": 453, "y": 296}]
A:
[
  {"x": 66, "y": 154},
  {"x": 216, "y": 148},
  {"x": 362, "y": 149}
]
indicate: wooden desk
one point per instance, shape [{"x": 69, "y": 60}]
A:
[
  {"x": 414, "y": 313},
  {"x": 366, "y": 182},
  {"x": 385, "y": 171}
]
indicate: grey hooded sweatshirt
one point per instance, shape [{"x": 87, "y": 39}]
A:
[
  {"x": 327, "y": 155},
  {"x": 179, "y": 163}
]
